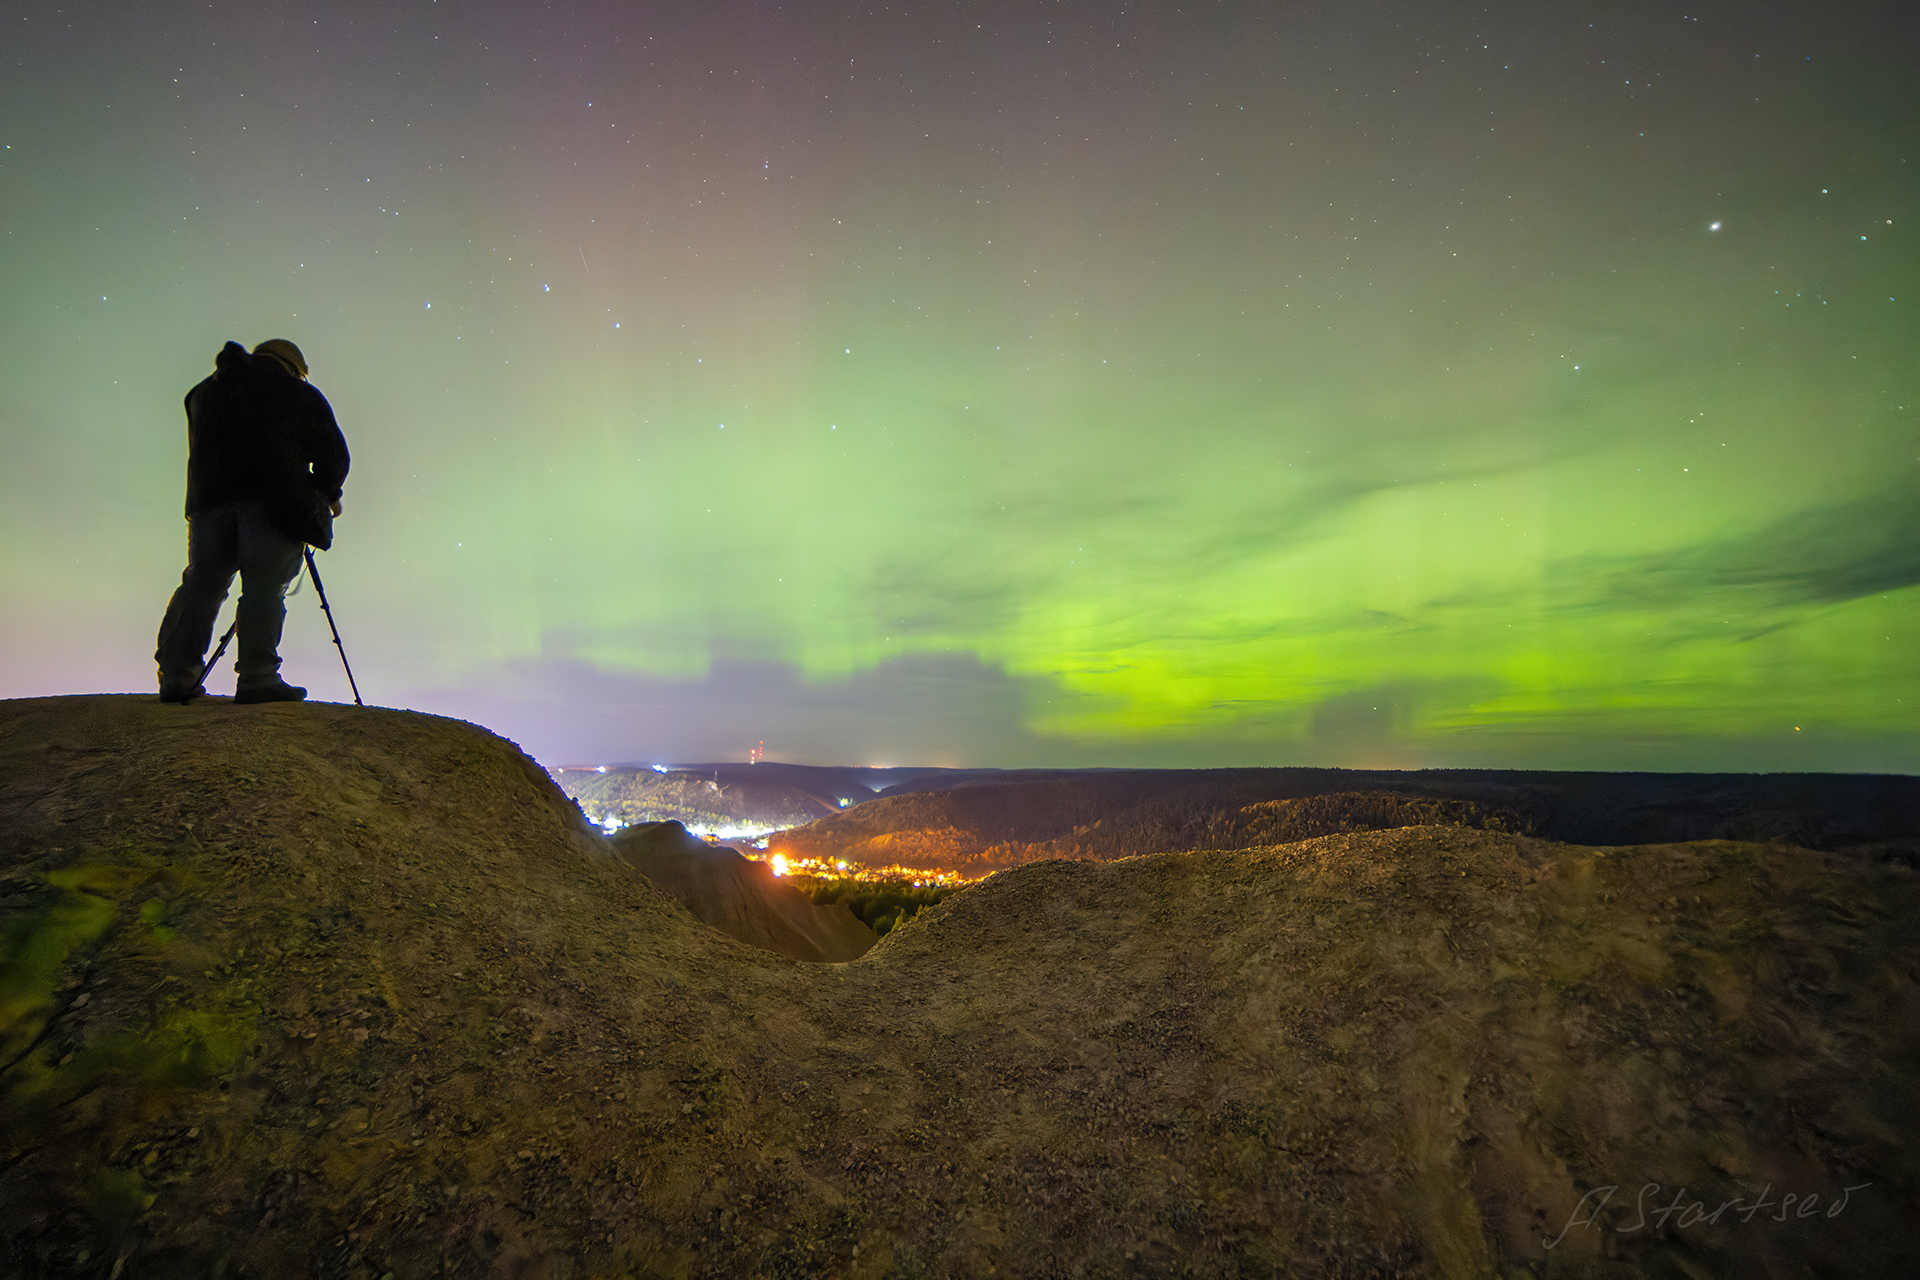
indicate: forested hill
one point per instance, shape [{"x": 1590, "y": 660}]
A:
[
  {"x": 696, "y": 798},
  {"x": 982, "y": 823},
  {"x": 763, "y": 794}
]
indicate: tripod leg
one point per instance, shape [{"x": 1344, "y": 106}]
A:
[
  {"x": 313, "y": 571},
  {"x": 225, "y": 640}
]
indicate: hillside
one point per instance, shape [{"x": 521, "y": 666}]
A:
[
  {"x": 986, "y": 823},
  {"x": 311, "y": 990}
]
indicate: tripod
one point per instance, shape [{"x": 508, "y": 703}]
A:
[{"x": 313, "y": 571}]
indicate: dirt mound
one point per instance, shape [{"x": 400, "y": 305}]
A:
[
  {"x": 328, "y": 992},
  {"x": 739, "y": 897}
]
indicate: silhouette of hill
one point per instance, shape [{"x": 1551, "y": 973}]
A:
[
  {"x": 313, "y": 990},
  {"x": 988, "y": 822}
]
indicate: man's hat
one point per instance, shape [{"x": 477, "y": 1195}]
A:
[{"x": 285, "y": 352}]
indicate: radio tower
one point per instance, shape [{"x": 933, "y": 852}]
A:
[{"x": 758, "y": 751}]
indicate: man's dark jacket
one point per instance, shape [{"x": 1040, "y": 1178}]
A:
[{"x": 256, "y": 432}]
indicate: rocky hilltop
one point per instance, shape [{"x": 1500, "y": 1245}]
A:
[{"x": 311, "y": 990}]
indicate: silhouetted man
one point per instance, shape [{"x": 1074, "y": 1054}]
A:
[{"x": 265, "y": 462}]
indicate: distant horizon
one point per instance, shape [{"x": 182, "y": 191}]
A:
[{"x": 926, "y": 770}]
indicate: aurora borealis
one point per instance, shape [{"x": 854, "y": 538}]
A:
[{"x": 1383, "y": 385}]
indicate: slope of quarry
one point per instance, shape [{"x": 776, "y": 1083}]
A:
[{"x": 313, "y": 990}]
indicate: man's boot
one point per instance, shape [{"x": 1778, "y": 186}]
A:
[
  {"x": 278, "y": 691},
  {"x": 183, "y": 691}
]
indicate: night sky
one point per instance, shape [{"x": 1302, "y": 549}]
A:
[{"x": 1371, "y": 384}]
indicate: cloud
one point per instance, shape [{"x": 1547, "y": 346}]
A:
[
  {"x": 938, "y": 708},
  {"x": 1131, "y": 551},
  {"x": 1823, "y": 555}
]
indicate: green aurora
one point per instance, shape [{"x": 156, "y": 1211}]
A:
[{"x": 1012, "y": 385}]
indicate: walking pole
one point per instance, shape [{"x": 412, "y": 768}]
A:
[{"x": 313, "y": 571}]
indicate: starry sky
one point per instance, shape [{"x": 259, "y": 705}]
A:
[{"x": 1177, "y": 384}]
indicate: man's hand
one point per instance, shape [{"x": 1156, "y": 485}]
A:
[{"x": 334, "y": 506}]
